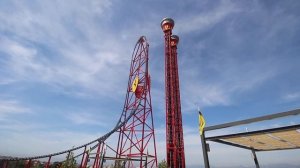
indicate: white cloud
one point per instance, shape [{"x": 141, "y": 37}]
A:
[
  {"x": 291, "y": 96},
  {"x": 86, "y": 58},
  {"x": 40, "y": 143},
  {"x": 6, "y": 81},
  {"x": 230, "y": 78},
  {"x": 9, "y": 107},
  {"x": 203, "y": 21},
  {"x": 86, "y": 119},
  {"x": 83, "y": 53},
  {"x": 22, "y": 59},
  {"x": 200, "y": 95}
]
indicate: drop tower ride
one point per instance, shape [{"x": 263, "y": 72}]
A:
[{"x": 174, "y": 131}]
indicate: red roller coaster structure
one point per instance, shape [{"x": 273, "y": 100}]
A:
[
  {"x": 174, "y": 131},
  {"x": 135, "y": 136},
  {"x": 136, "y": 145}
]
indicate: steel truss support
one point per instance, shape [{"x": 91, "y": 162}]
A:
[
  {"x": 99, "y": 158},
  {"x": 85, "y": 158},
  {"x": 174, "y": 131},
  {"x": 255, "y": 158},
  {"x": 137, "y": 135},
  {"x": 4, "y": 164},
  {"x": 48, "y": 163}
]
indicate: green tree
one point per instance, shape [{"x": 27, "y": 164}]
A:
[
  {"x": 162, "y": 164},
  {"x": 70, "y": 161}
]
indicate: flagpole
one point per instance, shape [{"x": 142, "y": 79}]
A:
[{"x": 203, "y": 140}]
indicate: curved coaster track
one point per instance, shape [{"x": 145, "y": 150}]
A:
[{"x": 135, "y": 130}]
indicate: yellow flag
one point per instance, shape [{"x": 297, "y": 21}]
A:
[{"x": 201, "y": 123}]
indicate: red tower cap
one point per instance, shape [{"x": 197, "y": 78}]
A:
[
  {"x": 174, "y": 40},
  {"x": 167, "y": 24}
]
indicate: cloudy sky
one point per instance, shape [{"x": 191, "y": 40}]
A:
[{"x": 64, "y": 68}]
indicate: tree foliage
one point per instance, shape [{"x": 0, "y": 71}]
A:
[
  {"x": 70, "y": 161},
  {"x": 162, "y": 164}
]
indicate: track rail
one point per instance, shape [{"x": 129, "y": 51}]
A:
[{"x": 100, "y": 139}]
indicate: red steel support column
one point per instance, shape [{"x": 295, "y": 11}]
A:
[
  {"x": 28, "y": 164},
  {"x": 97, "y": 158},
  {"x": 167, "y": 26},
  {"x": 178, "y": 115},
  {"x": 174, "y": 131},
  {"x": 103, "y": 151},
  {"x": 82, "y": 159},
  {"x": 5, "y": 164},
  {"x": 86, "y": 159},
  {"x": 48, "y": 163}
]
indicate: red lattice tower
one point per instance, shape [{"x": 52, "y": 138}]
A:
[
  {"x": 174, "y": 131},
  {"x": 136, "y": 142}
]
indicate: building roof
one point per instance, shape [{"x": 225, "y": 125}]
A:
[{"x": 281, "y": 138}]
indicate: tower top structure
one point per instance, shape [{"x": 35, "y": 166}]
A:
[
  {"x": 174, "y": 40},
  {"x": 167, "y": 24}
]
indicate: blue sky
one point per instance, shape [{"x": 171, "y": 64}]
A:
[{"x": 65, "y": 65}]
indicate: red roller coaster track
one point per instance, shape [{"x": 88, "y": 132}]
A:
[
  {"x": 136, "y": 143},
  {"x": 136, "y": 137}
]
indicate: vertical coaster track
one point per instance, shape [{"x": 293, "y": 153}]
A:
[
  {"x": 136, "y": 137},
  {"x": 136, "y": 140}
]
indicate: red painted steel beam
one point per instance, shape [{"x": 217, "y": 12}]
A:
[
  {"x": 82, "y": 159},
  {"x": 174, "y": 131},
  {"x": 97, "y": 158},
  {"x": 48, "y": 163},
  {"x": 178, "y": 115},
  {"x": 28, "y": 164}
]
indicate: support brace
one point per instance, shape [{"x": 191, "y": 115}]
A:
[
  {"x": 255, "y": 159},
  {"x": 204, "y": 149}
]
